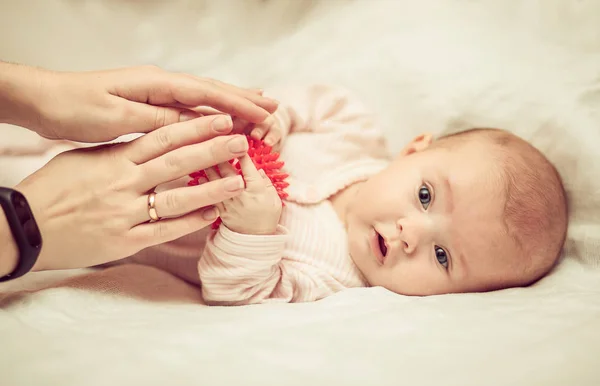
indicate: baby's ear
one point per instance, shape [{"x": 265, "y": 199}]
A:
[{"x": 418, "y": 144}]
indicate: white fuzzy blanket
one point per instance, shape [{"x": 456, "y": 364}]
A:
[{"x": 529, "y": 66}]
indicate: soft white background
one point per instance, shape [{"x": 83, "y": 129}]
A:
[{"x": 529, "y": 66}]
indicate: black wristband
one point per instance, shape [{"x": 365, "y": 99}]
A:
[{"x": 24, "y": 230}]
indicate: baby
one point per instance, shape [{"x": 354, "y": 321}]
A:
[{"x": 475, "y": 211}]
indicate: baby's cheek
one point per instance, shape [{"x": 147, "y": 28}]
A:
[{"x": 410, "y": 277}]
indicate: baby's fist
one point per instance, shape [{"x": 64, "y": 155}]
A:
[{"x": 257, "y": 210}]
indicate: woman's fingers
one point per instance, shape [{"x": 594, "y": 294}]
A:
[
  {"x": 212, "y": 175},
  {"x": 143, "y": 92},
  {"x": 174, "y": 136},
  {"x": 180, "y": 201},
  {"x": 198, "y": 92},
  {"x": 150, "y": 234},
  {"x": 188, "y": 159},
  {"x": 206, "y": 110},
  {"x": 227, "y": 170},
  {"x": 254, "y": 95},
  {"x": 240, "y": 126}
]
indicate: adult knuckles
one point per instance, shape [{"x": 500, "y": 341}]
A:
[
  {"x": 161, "y": 118},
  {"x": 137, "y": 177},
  {"x": 122, "y": 183},
  {"x": 218, "y": 149},
  {"x": 173, "y": 162},
  {"x": 206, "y": 93},
  {"x": 172, "y": 201},
  {"x": 164, "y": 139},
  {"x": 160, "y": 230}
]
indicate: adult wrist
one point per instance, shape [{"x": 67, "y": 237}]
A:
[
  {"x": 25, "y": 187},
  {"x": 21, "y": 238},
  {"x": 21, "y": 95},
  {"x": 9, "y": 252}
]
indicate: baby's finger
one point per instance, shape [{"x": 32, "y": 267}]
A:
[
  {"x": 273, "y": 137},
  {"x": 251, "y": 175},
  {"x": 267, "y": 181},
  {"x": 258, "y": 133},
  {"x": 265, "y": 127}
]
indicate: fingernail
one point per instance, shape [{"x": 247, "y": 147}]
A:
[
  {"x": 210, "y": 214},
  {"x": 238, "y": 145},
  {"x": 269, "y": 141},
  {"x": 234, "y": 184},
  {"x": 222, "y": 123},
  {"x": 187, "y": 116}
]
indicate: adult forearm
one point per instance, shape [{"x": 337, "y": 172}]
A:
[
  {"x": 9, "y": 253},
  {"x": 20, "y": 88}
]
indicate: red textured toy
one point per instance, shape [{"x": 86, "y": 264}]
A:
[{"x": 264, "y": 159}]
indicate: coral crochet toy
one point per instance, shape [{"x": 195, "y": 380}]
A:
[{"x": 264, "y": 159}]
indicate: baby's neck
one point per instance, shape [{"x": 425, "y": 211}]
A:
[{"x": 342, "y": 199}]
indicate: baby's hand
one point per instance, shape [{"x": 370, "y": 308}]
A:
[
  {"x": 256, "y": 211},
  {"x": 270, "y": 130}
]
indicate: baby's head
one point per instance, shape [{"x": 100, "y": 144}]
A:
[{"x": 475, "y": 211}]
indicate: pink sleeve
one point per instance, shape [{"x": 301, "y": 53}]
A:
[
  {"x": 322, "y": 108},
  {"x": 238, "y": 269}
]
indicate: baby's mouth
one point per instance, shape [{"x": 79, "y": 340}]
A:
[{"x": 382, "y": 246}]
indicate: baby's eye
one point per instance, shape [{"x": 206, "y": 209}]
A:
[
  {"x": 441, "y": 257},
  {"x": 424, "y": 196}
]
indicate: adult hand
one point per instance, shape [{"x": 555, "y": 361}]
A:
[
  {"x": 91, "y": 204},
  {"x": 100, "y": 106},
  {"x": 269, "y": 130}
]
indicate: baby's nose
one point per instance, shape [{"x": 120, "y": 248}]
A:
[
  {"x": 412, "y": 233},
  {"x": 409, "y": 248}
]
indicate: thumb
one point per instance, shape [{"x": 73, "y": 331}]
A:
[
  {"x": 266, "y": 180},
  {"x": 144, "y": 118}
]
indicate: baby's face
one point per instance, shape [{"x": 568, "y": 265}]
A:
[{"x": 431, "y": 223}]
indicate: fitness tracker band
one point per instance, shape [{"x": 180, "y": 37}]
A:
[{"x": 24, "y": 230}]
